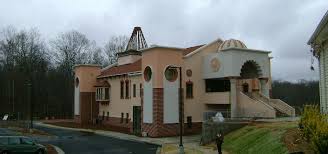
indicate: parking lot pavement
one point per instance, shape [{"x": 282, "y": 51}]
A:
[
  {"x": 86, "y": 142},
  {"x": 6, "y": 132}
]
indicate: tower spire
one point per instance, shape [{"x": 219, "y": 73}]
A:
[{"x": 137, "y": 40}]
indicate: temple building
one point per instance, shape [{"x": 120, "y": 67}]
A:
[
  {"x": 140, "y": 93},
  {"x": 319, "y": 45}
]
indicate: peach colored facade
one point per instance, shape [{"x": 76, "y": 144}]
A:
[
  {"x": 222, "y": 76},
  {"x": 116, "y": 105}
]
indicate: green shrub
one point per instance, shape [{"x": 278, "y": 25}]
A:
[{"x": 314, "y": 127}]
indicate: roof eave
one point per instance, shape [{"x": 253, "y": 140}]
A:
[
  {"x": 319, "y": 28},
  {"x": 246, "y": 49},
  {"x": 201, "y": 48},
  {"x": 164, "y": 47},
  {"x": 127, "y": 73}
]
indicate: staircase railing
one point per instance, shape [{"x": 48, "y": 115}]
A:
[
  {"x": 251, "y": 98},
  {"x": 284, "y": 107},
  {"x": 277, "y": 104}
]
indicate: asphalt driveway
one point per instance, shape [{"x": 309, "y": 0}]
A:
[{"x": 76, "y": 142}]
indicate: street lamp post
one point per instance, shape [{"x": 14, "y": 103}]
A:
[
  {"x": 181, "y": 149},
  {"x": 29, "y": 93}
]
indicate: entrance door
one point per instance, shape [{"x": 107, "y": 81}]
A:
[
  {"x": 245, "y": 87},
  {"x": 137, "y": 120}
]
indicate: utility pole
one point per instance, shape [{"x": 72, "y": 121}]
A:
[
  {"x": 29, "y": 93},
  {"x": 181, "y": 149},
  {"x": 13, "y": 85}
]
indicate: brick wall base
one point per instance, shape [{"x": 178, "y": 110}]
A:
[
  {"x": 115, "y": 124},
  {"x": 166, "y": 130},
  {"x": 158, "y": 128}
]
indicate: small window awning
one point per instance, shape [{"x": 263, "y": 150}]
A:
[{"x": 102, "y": 83}]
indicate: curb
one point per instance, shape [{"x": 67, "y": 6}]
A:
[
  {"x": 98, "y": 132},
  {"x": 59, "y": 150}
]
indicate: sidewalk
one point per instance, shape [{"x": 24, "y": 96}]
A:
[{"x": 191, "y": 143}]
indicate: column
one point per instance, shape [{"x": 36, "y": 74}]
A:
[
  {"x": 321, "y": 79},
  {"x": 233, "y": 98},
  {"x": 265, "y": 87},
  {"x": 323, "y": 104}
]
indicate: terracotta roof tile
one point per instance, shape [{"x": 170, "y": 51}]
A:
[
  {"x": 191, "y": 49},
  {"x": 121, "y": 69},
  {"x": 136, "y": 66}
]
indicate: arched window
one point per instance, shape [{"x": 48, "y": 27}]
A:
[{"x": 77, "y": 82}]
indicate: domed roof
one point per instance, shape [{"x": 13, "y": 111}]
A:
[{"x": 232, "y": 43}]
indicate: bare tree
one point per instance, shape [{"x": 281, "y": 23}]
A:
[
  {"x": 115, "y": 45},
  {"x": 24, "y": 56},
  {"x": 23, "y": 50},
  {"x": 98, "y": 57},
  {"x": 70, "y": 48}
]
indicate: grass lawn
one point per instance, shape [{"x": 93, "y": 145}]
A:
[{"x": 258, "y": 138}]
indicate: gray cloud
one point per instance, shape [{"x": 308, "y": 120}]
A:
[{"x": 282, "y": 27}]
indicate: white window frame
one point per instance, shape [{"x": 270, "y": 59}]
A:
[{"x": 100, "y": 94}]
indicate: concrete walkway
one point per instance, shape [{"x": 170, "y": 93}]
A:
[
  {"x": 281, "y": 119},
  {"x": 190, "y": 142}
]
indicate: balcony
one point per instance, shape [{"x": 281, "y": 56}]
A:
[{"x": 216, "y": 98}]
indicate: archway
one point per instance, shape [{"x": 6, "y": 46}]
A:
[{"x": 250, "y": 69}]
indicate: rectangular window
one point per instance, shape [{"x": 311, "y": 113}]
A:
[
  {"x": 102, "y": 94},
  {"x": 14, "y": 140},
  {"x": 122, "y": 89},
  {"x": 98, "y": 94},
  {"x": 189, "y": 90},
  {"x": 127, "y": 118},
  {"x": 189, "y": 121},
  {"x": 140, "y": 89},
  {"x": 107, "y": 115},
  {"x": 134, "y": 90},
  {"x": 106, "y": 93},
  {"x": 217, "y": 85},
  {"x": 3, "y": 140},
  {"x": 127, "y": 90},
  {"x": 122, "y": 117}
]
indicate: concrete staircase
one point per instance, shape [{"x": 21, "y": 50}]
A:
[
  {"x": 250, "y": 107},
  {"x": 282, "y": 108}
]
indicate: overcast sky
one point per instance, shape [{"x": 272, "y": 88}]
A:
[{"x": 280, "y": 26}]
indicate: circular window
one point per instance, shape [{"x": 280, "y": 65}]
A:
[
  {"x": 189, "y": 72},
  {"x": 147, "y": 73},
  {"x": 77, "y": 82},
  {"x": 171, "y": 74}
]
